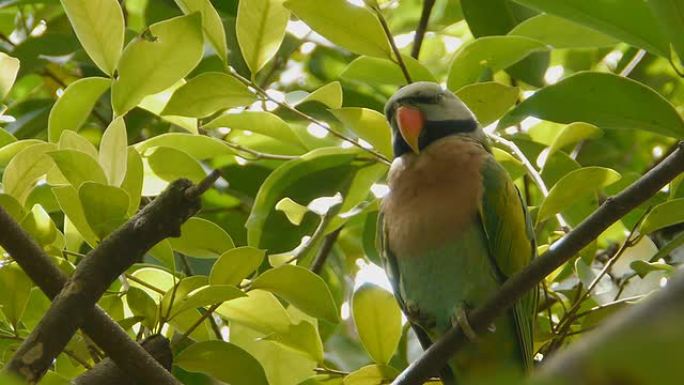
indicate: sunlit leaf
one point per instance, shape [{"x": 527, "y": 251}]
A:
[
  {"x": 206, "y": 296},
  {"x": 665, "y": 214},
  {"x": 371, "y": 375},
  {"x": 561, "y": 33},
  {"x": 378, "y": 71},
  {"x": 201, "y": 238},
  {"x": 113, "y": 154},
  {"x": 151, "y": 63},
  {"x": 293, "y": 210},
  {"x": 73, "y": 108},
  {"x": 489, "y": 100},
  {"x": 25, "y": 168},
  {"x": 133, "y": 180},
  {"x": 70, "y": 203},
  {"x": 350, "y": 26},
  {"x": 301, "y": 288},
  {"x": 171, "y": 164},
  {"x": 604, "y": 100},
  {"x": 236, "y": 264},
  {"x": 78, "y": 167},
  {"x": 9, "y": 67},
  {"x": 330, "y": 95},
  {"x": 198, "y": 146},
  {"x": 208, "y": 93},
  {"x": 260, "y": 311},
  {"x": 223, "y": 361},
  {"x": 302, "y": 337},
  {"x": 260, "y": 122},
  {"x": 211, "y": 24},
  {"x": 260, "y": 29},
  {"x": 70, "y": 140},
  {"x": 573, "y": 186},
  {"x": 369, "y": 125},
  {"x": 39, "y": 224},
  {"x": 99, "y": 25},
  {"x": 378, "y": 321}
]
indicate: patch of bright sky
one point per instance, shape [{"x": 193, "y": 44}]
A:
[
  {"x": 371, "y": 273},
  {"x": 613, "y": 58},
  {"x": 451, "y": 43},
  {"x": 316, "y": 131},
  {"x": 404, "y": 40},
  {"x": 554, "y": 74},
  {"x": 528, "y": 123},
  {"x": 298, "y": 28},
  {"x": 358, "y": 3},
  {"x": 321, "y": 205},
  {"x": 379, "y": 190}
]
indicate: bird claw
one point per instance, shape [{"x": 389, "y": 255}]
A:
[{"x": 462, "y": 321}]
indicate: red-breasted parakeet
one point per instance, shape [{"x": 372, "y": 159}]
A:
[{"x": 452, "y": 228}]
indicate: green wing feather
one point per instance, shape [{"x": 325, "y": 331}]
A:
[{"x": 511, "y": 243}]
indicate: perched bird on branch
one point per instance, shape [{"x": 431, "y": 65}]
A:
[{"x": 452, "y": 229}]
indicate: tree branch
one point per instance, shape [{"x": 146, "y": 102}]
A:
[
  {"x": 158, "y": 220},
  {"x": 422, "y": 27},
  {"x": 324, "y": 251},
  {"x": 393, "y": 45},
  {"x": 560, "y": 252}
]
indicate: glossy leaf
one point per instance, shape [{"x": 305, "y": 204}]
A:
[
  {"x": 70, "y": 203},
  {"x": 206, "y": 296},
  {"x": 170, "y": 164},
  {"x": 573, "y": 186},
  {"x": 99, "y": 25},
  {"x": 151, "y": 64},
  {"x": 627, "y": 20},
  {"x": 329, "y": 95},
  {"x": 141, "y": 304},
  {"x": 260, "y": 311},
  {"x": 260, "y": 29},
  {"x": 208, "y": 93},
  {"x": 133, "y": 180},
  {"x": 78, "y": 167},
  {"x": 201, "y": 238},
  {"x": 561, "y": 33},
  {"x": 260, "y": 122},
  {"x": 73, "y": 108},
  {"x": 489, "y": 100},
  {"x": 8, "y": 151},
  {"x": 378, "y": 71},
  {"x": 70, "y": 140},
  {"x": 301, "y": 288},
  {"x": 371, "y": 375},
  {"x": 369, "y": 125},
  {"x": 604, "y": 100},
  {"x": 573, "y": 133},
  {"x": 113, "y": 154},
  {"x": 292, "y": 210},
  {"x": 9, "y": 67},
  {"x": 156, "y": 103},
  {"x": 663, "y": 215},
  {"x": 492, "y": 53},
  {"x": 302, "y": 337},
  {"x": 223, "y": 361},
  {"x": 236, "y": 264},
  {"x": 15, "y": 289},
  {"x": 104, "y": 206},
  {"x": 211, "y": 24},
  {"x": 354, "y": 28},
  {"x": 670, "y": 14},
  {"x": 25, "y": 168},
  {"x": 378, "y": 321},
  {"x": 199, "y": 147},
  {"x": 39, "y": 225}
]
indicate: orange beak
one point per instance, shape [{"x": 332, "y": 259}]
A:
[{"x": 411, "y": 122}]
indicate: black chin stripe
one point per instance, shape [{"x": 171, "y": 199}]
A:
[{"x": 451, "y": 126}]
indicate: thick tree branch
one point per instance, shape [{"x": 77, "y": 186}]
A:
[
  {"x": 422, "y": 27},
  {"x": 158, "y": 220},
  {"x": 560, "y": 252},
  {"x": 106, "y": 372},
  {"x": 106, "y": 333}
]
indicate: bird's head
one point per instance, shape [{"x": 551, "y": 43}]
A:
[{"x": 422, "y": 113}]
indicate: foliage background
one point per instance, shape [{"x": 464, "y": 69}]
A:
[{"x": 104, "y": 103}]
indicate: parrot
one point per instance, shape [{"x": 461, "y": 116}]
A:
[{"x": 451, "y": 229}]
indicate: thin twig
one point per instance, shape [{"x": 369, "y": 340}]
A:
[
  {"x": 422, "y": 27},
  {"x": 531, "y": 171},
  {"x": 258, "y": 155},
  {"x": 633, "y": 63},
  {"x": 559, "y": 253},
  {"x": 325, "y": 250},
  {"x": 197, "y": 323},
  {"x": 398, "y": 59},
  {"x": 204, "y": 185}
]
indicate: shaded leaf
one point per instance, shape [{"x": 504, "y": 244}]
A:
[
  {"x": 663, "y": 215},
  {"x": 15, "y": 289},
  {"x": 223, "y": 361},
  {"x": 104, "y": 206},
  {"x": 206, "y": 296},
  {"x": 489, "y": 100},
  {"x": 561, "y": 33},
  {"x": 198, "y": 146},
  {"x": 236, "y": 264},
  {"x": 170, "y": 164},
  {"x": 201, "y": 238},
  {"x": 378, "y": 71}
]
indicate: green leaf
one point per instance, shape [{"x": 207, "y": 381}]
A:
[
  {"x": 152, "y": 63},
  {"x": 208, "y": 93},
  {"x": 489, "y": 17},
  {"x": 292, "y": 210},
  {"x": 628, "y": 20},
  {"x": 642, "y": 268},
  {"x": 379, "y": 72},
  {"x": 236, "y": 264},
  {"x": 329, "y": 95},
  {"x": 260, "y": 311},
  {"x": 141, "y": 304},
  {"x": 163, "y": 253},
  {"x": 371, "y": 375},
  {"x": 378, "y": 321},
  {"x": 223, "y": 361},
  {"x": 73, "y": 108},
  {"x": 9, "y": 67},
  {"x": 260, "y": 29},
  {"x": 206, "y": 296},
  {"x": 7, "y": 138},
  {"x": 8, "y": 151},
  {"x": 492, "y": 53},
  {"x": 99, "y": 25},
  {"x": 201, "y": 238},
  {"x": 104, "y": 206},
  {"x": 301, "y": 288},
  {"x": 133, "y": 181},
  {"x": 260, "y": 122},
  {"x": 12, "y": 206},
  {"x": 663, "y": 215},
  {"x": 302, "y": 337},
  {"x": 113, "y": 154},
  {"x": 368, "y": 125},
  {"x": 489, "y": 100},
  {"x": 25, "y": 168},
  {"x": 78, "y": 167},
  {"x": 156, "y": 103},
  {"x": 573, "y": 133},
  {"x": 561, "y": 33},
  {"x": 170, "y": 164},
  {"x": 39, "y": 224},
  {"x": 70, "y": 140},
  {"x": 573, "y": 186},
  {"x": 15, "y": 290},
  {"x": 70, "y": 203},
  {"x": 354, "y": 28},
  {"x": 670, "y": 16},
  {"x": 211, "y": 24},
  {"x": 199, "y": 147},
  {"x": 604, "y": 100}
]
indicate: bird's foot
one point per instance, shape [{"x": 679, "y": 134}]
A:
[
  {"x": 461, "y": 319},
  {"x": 417, "y": 317}
]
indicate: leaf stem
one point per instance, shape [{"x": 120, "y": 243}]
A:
[
  {"x": 422, "y": 28},
  {"x": 399, "y": 60}
]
